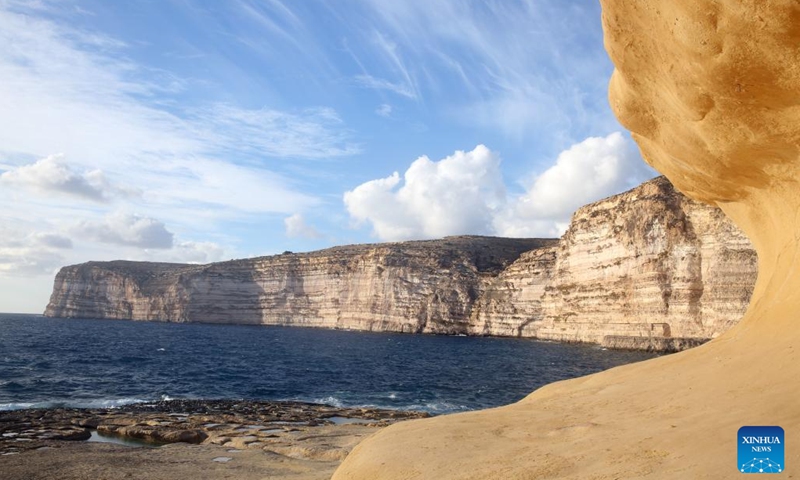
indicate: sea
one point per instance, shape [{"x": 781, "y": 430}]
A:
[{"x": 56, "y": 362}]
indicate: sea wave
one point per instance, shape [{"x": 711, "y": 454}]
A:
[
  {"x": 437, "y": 408},
  {"x": 432, "y": 407},
  {"x": 330, "y": 400},
  {"x": 77, "y": 403}
]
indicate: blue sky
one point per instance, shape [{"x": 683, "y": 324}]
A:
[{"x": 197, "y": 131}]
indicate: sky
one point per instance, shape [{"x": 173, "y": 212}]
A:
[{"x": 199, "y": 131}]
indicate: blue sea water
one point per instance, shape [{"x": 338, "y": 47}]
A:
[{"x": 48, "y": 362}]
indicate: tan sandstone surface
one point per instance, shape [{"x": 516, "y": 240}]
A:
[{"x": 710, "y": 91}]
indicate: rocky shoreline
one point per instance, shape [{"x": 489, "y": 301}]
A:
[{"x": 289, "y": 430}]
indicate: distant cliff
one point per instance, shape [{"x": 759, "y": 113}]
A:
[
  {"x": 421, "y": 287},
  {"x": 645, "y": 269},
  {"x": 648, "y": 268}
]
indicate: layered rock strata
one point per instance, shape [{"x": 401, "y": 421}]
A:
[
  {"x": 647, "y": 269},
  {"x": 709, "y": 90},
  {"x": 420, "y": 287},
  {"x": 636, "y": 270}
]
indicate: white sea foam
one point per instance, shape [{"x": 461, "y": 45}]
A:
[
  {"x": 16, "y": 406},
  {"x": 437, "y": 407},
  {"x": 434, "y": 408},
  {"x": 77, "y": 403},
  {"x": 330, "y": 400}
]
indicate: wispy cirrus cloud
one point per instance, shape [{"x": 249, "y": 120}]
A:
[
  {"x": 135, "y": 139},
  {"x": 402, "y": 89},
  {"x": 520, "y": 67},
  {"x": 384, "y": 110},
  {"x": 67, "y": 91},
  {"x": 314, "y": 133}
]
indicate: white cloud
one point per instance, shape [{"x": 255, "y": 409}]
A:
[
  {"x": 126, "y": 229},
  {"x": 587, "y": 171},
  {"x": 196, "y": 252},
  {"x": 387, "y": 54},
  {"x": 310, "y": 133},
  {"x": 465, "y": 194},
  {"x": 30, "y": 253},
  {"x": 52, "y": 175},
  {"x": 29, "y": 261},
  {"x": 230, "y": 190},
  {"x": 384, "y": 110},
  {"x": 375, "y": 83},
  {"x": 459, "y": 194},
  {"x": 296, "y": 226}
]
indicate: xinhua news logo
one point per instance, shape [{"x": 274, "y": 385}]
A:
[{"x": 761, "y": 450}]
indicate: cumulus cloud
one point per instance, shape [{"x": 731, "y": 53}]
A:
[
  {"x": 128, "y": 230},
  {"x": 459, "y": 194},
  {"x": 465, "y": 194},
  {"x": 587, "y": 171},
  {"x": 296, "y": 226},
  {"x": 384, "y": 110},
  {"x": 52, "y": 175}
]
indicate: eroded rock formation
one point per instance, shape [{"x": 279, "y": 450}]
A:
[
  {"x": 709, "y": 90},
  {"x": 270, "y": 426},
  {"x": 245, "y": 440}
]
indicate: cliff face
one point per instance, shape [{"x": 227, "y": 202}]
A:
[
  {"x": 649, "y": 264},
  {"x": 426, "y": 286},
  {"x": 637, "y": 270}
]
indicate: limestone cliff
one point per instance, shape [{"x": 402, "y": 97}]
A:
[
  {"x": 648, "y": 264},
  {"x": 424, "y": 286},
  {"x": 646, "y": 269},
  {"x": 710, "y": 91}
]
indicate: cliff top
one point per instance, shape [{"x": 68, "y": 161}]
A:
[{"x": 488, "y": 254}]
